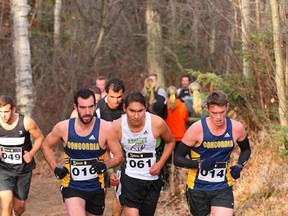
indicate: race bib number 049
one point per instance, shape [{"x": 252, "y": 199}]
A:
[
  {"x": 11, "y": 155},
  {"x": 82, "y": 170},
  {"x": 215, "y": 175}
]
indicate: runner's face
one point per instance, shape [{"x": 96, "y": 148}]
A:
[
  {"x": 217, "y": 114},
  {"x": 114, "y": 98},
  {"x": 6, "y": 113},
  {"x": 86, "y": 109},
  {"x": 135, "y": 113},
  {"x": 101, "y": 84},
  {"x": 185, "y": 82}
]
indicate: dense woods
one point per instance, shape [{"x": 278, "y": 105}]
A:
[{"x": 237, "y": 46}]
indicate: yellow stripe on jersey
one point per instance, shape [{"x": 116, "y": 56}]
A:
[
  {"x": 192, "y": 172},
  {"x": 66, "y": 179}
]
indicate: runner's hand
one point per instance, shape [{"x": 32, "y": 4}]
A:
[
  {"x": 60, "y": 172},
  {"x": 235, "y": 171},
  {"x": 208, "y": 164},
  {"x": 99, "y": 166}
]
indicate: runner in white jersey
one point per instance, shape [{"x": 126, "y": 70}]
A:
[{"x": 139, "y": 131}]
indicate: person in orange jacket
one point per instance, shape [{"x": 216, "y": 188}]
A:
[{"x": 177, "y": 117}]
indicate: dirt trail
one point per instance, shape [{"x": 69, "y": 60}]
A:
[{"x": 45, "y": 198}]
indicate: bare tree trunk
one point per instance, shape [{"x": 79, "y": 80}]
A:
[
  {"x": 22, "y": 56},
  {"x": 258, "y": 17},
  {"x": 245, "y": 9},
  {"x": 154, "y": 42},
  {"x": 229, "y": 46},
  {"x": 279, "y": 75},
  {"x": 57, "y": 23}
]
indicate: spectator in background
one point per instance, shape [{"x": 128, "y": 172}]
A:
[
  {"x": 183, "y": 92},
  {"x": 194, "y": 103},
  {"x": 97, "y": 93},
  {"x": 101, "y": 83},
  {"x": 156, "y": 102},
  {"x": 177, "y": 115},
  {"x": 161, "y": 91},
  {"x": 176, "y": 120}
]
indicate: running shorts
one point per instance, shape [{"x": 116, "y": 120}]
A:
[
  {"x": 95, "y": 200},
  {"x": 200, "y": 202},
  {"x": 19, "y": 183},
  {"x": 140, "y": 194}
]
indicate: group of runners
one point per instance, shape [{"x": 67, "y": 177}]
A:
[{"x": 112, "y": 140}]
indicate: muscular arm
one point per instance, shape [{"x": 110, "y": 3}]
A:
[
  {"x": 108, "y": 135},
  {"x": 33, "y": 129},
  {"x": 166, "y": 135},
  {"x": 52, "y": 139}
]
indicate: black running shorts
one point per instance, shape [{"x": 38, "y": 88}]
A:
[
  {"x": 95, "y": 202},
  {"x": 200, "y": 202},
  {"x": 140, "y": 194}
]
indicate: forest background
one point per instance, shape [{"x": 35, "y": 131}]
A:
[{"x": 49, "y": 49}]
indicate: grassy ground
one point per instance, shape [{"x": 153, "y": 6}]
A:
[{"x": 262, "y": 189}]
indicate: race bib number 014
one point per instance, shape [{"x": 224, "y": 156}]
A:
[
  {"x": 215, "y": 175},
  {"x": 11, "y": 155}
]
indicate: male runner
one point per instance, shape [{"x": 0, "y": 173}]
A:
[
  {"x": 209, "y": 143},
  {"x": 17, "y": 156},
  {"x": 85, "y": 139},
  {"x": 139, "y": 132}
]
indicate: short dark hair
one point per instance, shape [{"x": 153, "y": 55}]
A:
[
  {"x": 95, "y": 89},
  {"x": 217, "y": 97},
  {"x": 85, "y": 94},
  {"x": 115, "y": 84},
  {"x": 135, "y": 96},
  {"x": 101, "y": 78},
  {"x": 186, "y": 75},
  {"x": 5, "y": 99}
]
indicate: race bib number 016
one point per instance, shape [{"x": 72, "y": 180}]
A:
[
  {"x": 11, "y": 155},
  {"x": 82, "y": 170},
  {"x": 215, "y": 175}
]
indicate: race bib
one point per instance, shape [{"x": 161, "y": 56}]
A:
[
  {"x": 215, "y": 175},
  {"x": 141, "y": 161},
  {"x": 11, "y": 155},
  {"x": 82, "y": 170}
]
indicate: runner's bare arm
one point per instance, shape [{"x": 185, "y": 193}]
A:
[
  {"x": 109, "y": 134},
  {"x": 53, "y": 138},
  {"x": 165, "y": 133},
  {"x": 31, "y": 126}
]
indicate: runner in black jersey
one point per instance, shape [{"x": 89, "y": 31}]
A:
[
  {"x": 17, "y": 156},
  {"x": 110, "y": 108}
]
